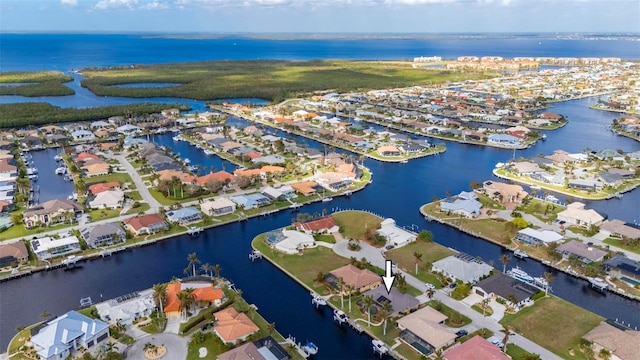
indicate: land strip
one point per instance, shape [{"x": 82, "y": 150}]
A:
[{"x": 31, "y": 84}]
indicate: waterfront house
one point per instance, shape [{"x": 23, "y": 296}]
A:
[
  {"x": 623, "y": 268},
  {"x": 7, "y": 168},
  {"x": 233, "y": 327},
  {"x": 269, "y": 160},
  {"x": 388, "y": 150},
  {"x": 306, "y": 188},
  {"x": 462, "y": 204},
  {"x": 618, "y": 229},
  {"x": 218, "y": 207},
  {"x": 621, "y": 342},
  {"x": 128, "y": 130},
  {"x": 526, "y": 168},
  {"x": 145, "y": 224},
  {"x": 13, "y": 254},
  {"x": 291, "y": 241},
  {"x": 462, "y": 267},
  {"x": 251, "y": 201},
  {"x": 360, "y": 280},
  {"x": 103, "y": 234},
  {"x": 281, "y": 193},
  {"x": 476, "y": 348},
  {"x": 586, "y": 253},
  {"x": 125, "y": 310},
  {"x": 264, "y": 349},
  {"x": 399, "y": 302},
  {"x": 97, "y": 188},
  {"x": 334, "y": 181},
  {"x": 394, "y": 234},
  {"x": 510, "y": 195},
  {"x": 100, "y": 124},
  {"x": 48, "y": 247},
  {"x": 221, "y": 176},
  {"x": 85, "y": 157},
  {"x": 424, "y": 330},
  {"x": 95, "y": 169},
  {"x": 503, "y": 140},
  {"x": 325, "y": 224},
  {"x": 184, "y": 216},
  {"x": 204, "y": 293},
  {"x": 66, "y": 334},
  {"x": 82, "y": 135},
  {"x": 51, "y": 212},
  {"x": 532, "y": 236},
  {"x": 576, "y": 214},
  {"x": 500, "y": 286},
  {"x": 110, "y": 199}
]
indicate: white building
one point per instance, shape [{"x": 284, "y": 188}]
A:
[
  {"x": 294, "y": 241},
  {"x": 462, "y": 267},
  {"x": 538, "y": 237},
  {"x": 111, "y": 199},
  {"x": 395, "y": 235},
  {"x": 576, "y": 214},
  {"x": 126, "y": 311},
  {"x": 48, "y": 247},
  {"x": 218, "y": 207}
]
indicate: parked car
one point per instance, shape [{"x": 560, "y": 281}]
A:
[
  {"x": 453, "y": 285},
  {"x": 462, "y": 332},
  {"x": 430, "y": 286}
]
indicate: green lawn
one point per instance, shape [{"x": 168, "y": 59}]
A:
[
  {"x": 619, "y": 243},
  {"x": 134, "y": 195},
  {"x": 119, "y": 177},
  {"x": 431, "y": 252},
  {"x": 17, "y": 231},
  {"x": 542, "y": 210},
  {"x": 354, "y": 223},
  {"x": 444, "y": 309},
  {"x": 516, "y": 352},
  {"x": 103, "y": 214},
  {"x": 555, "y": 324}
]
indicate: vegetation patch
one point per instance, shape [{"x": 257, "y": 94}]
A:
[
  {"x": 37, "y": 113},
  {"x": 31, "y": 84},
  {"x": 273, "y": 80},
  {"x": 353, "y": 224},
  {"x": 555, "y": 324}
]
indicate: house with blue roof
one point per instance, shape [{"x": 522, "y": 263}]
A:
[
  {"x": 251, "y": 201},
  {"x": 503, "y": 140},
  {"x": 184, "y": 216},
  {"x": 463, "y": 204},
  {"x": 64, "y": 335}
]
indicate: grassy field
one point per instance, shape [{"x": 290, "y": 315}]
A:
[
  {"x": 40, "y": 83},
  {"x": 354, "y": 223},
  {"x": 542, "y": 210},
  {"x": 37, "y": 113},
  {"x": 273, "y": 80},
  {"x": 555, "y": 324},
  {"x": 619, "y": 243},
  {"x": 430, "y": 252}
]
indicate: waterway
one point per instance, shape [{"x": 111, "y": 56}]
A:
[
  {"x": 49, "y": 185},
  {"x": 397, "y": 191}
]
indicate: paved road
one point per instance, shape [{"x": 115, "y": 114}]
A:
[
  {"x": 137, "y": 180},
  {"x": 374, "y": 256}
]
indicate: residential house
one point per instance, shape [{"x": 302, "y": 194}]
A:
[
  {"x": 221, "y": 176},
  {"x": 97, "y": 188},
  {"x": 203, "y": 291},
  {"x": 333, "y": 180},
  {"x": 145, "y": 224},
  {"x": 251, "y": 201},
  {"x": 618, "y": 229},
  {"x": 233, "y": 327},
  {"x": 576, "y": 214},
  {"x": 290, "y": 241},
  {"x": 48, "y": 247},
  {"x": 503, "y": 140},
  {"x": 621, "y": 342},
  {"x": 388, "y": 150},
  {"x": 476, "y": 348},
  {"x": 96, "y": 169},
  {"x": 110, "y": 199},
  {"x": 7, "y": 168},
  {"x": 424, "y": 331},
  {"x": 103, "y": 234},
  {"x": 269, "y": 160},
  {"x": 184, "y": 216},
  {"x": 510, "y": 195},
  {"x": 462, "y": 267},
  {"x": 126, "y": 310},
  {"x": 326, "y": 224},
  {"x": 13, "y": 254},
  {"x": 280, "y": 193},
  {"x": 464, "y": 204},
  {"x": 623, "y": 268},
  {"x": 66, "y": 334},
  {"x": 532, "y": 236},
  {"x": 82, "y": 135},
  {"x": 218, "y": 207},
  {"x": 97, "y": 125},
  {"x": 394, "y": 234},
  {"x": 526, "y": 168},
  {"x": 360, "y": 280},
  {"x": 129, "y": 130},
  {"x": 264, "y": 349},
  {"x": 586, "y": 253},
  {"x": 399, "y": 302},
  {"x": 306, "y": 188},
  {"x": 51, "y": 212},
  {"x": 501, "y": 286}
]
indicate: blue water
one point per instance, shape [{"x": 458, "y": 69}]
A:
[
  {"x": 50, "y": 185},
  {"x": 397, "y": 191}
]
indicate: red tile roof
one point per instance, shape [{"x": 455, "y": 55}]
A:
[
  {"x": 325, "y": 223},
  {"x": 476, "y": 348},
  {"x": 233, "y": 325},
  {"x": 139, "y": 222},
  {"x": 102, "y": 187},
  {"x": 221, "y": 176},
  {"x": 207, "y": 293}
]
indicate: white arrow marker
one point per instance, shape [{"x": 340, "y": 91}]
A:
[{"x": 388, "y": 277}]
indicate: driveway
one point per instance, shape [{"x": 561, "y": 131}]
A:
[{"x": 177, "y": 346}]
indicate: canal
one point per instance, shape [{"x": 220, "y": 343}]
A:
[{"x": 397, "y": 191}]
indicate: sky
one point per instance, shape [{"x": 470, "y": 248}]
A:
[{"x": 320, "y": 16}]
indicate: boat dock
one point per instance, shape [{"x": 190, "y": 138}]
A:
[
  {"x": 598, "y": 284},
  {"x": 291, "y": 340},
  {"x": 255, "y": 255}
]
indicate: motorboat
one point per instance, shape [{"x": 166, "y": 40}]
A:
[
  {"x": 340, "y": 316},
  {"x": 61, "y": 170},
  {"x": 379, "y": 347},
  {"x": 318, "y": 300},
  {"x": 327, "y": 199},
  {"x": 520, "y": 274},
  {"x": 310, "y": 348},
  {"x": 520, "y": 254},
  {"x": 541, "y": 282}
]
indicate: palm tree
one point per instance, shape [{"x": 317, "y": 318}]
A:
[
  {"x": 505, "y": 339},
  {"x": 504, "y": 258},
  {"x": 549, "y": 277},
  {"x": 206, "y": 267},
  {"x": 430, "y": 292},
  {"x": 217, "y": 269},
  {"x": 485, "y": 303},
  {"x": 193, "y": 260},
  {"x": 271, "y": 327},
  {"x": 340, "y": 287},
  {"x": 186, "y": 299},
  {"x": 349, "y": 289},
  {"x": 418, "y": 257},
  {"x": 160, "y": 296},
  {"x": 367, "y": 303},
  {"x": 385, "y": 314},
  {"x": 44, "y": 315}
]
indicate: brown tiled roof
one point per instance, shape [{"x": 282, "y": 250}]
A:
[
  {"x": 139, "y": 222},
  {"x": 324, "y": 223},
  {"x": 355, "y": 277},
  {"x": 233, "y": 325},
  {"x": 17, "y": 250},
  {"x": 625, "y": 344}
]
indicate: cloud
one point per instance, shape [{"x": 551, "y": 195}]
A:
[
  {"x": 115, "y": 4},
  {"x": 70, "y": 3},
  {"x": 155, "y": 5}
]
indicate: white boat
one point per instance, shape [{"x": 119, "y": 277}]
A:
[
  {"x": 544, "y": 137},
  {"x": 541, "y": 282},
  {"x": 598, "y": 283},
  {"x": 340, "y": 316},
  {"x": 404, "y": 161},
  {"x": 61, "y": 170},
  {"x": 552, "y": 199},
  {"x": 208, "y": 152},
  {"x": 318, "y": 300},
  {"x": 520, "y": 254},
  {"x": 327, "y": 199},
  {"x": 520, "y": 274},
  {"x": 194, "y": 230},
  {"x": 32, "y": 171},
  {"x": 177, "y": 138},
  {"x": 534, "y": 187},
  {"x": 57, "y": 157},
  {"x": 186, "y": 161},
  {"x": 310, "y": 348},
  {"x": 379, "y": 347}
]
